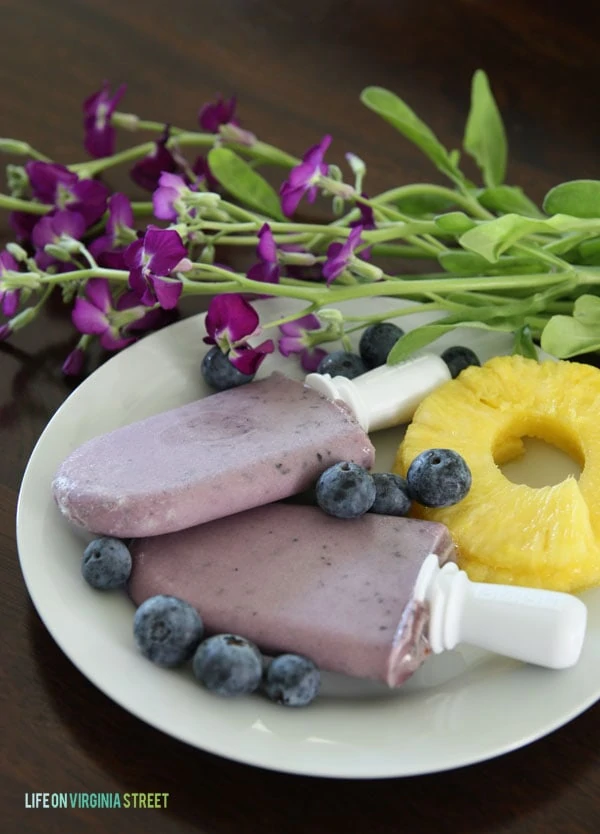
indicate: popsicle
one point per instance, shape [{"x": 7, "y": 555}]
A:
[
  {"x": 235, "y": 449},
  {"x": 364, "y": 597}
]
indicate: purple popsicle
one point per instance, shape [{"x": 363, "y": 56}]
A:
[
  {"x": 291, "y": 578},
  {"x": 228, "y": 452}
]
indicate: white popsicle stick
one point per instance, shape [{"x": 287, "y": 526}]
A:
[{"x": 546, "y": 628}]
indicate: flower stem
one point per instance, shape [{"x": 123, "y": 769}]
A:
[{"x": 29, "y": 206}]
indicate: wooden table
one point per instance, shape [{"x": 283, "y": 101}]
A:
[{"x": 298, "y": 69}]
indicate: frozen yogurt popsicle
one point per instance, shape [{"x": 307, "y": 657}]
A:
[
  {"x": 370, "y": 597},
  {"x": 234, "y": 450},
  {"x": 291, "y": 578}
]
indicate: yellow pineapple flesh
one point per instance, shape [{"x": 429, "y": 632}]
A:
[{"x": 546, "y": 537}]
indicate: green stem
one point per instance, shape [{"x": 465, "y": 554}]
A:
[{"x": 15, "y": 204}]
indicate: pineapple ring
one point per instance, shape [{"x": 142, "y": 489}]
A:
[{"x": 546, "y": 537}]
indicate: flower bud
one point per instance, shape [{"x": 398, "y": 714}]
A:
[
  {"x": 335, "y": 172},
  {"x": 23, "y": 318},
  {"x": 128, "y": 121},
  {"x": 15, "y": 146},
  {"x": 17, "y": 180},
  {"x": 233, "y": 133},
  {"x": 58, "y": 252},
  {"x": 207, "y": 256},
  {"x": 18, "y": 253},
  {"x": 338, "y": 206},
  {"x": 358, "y": 168},
  {"x": 202, "y": 199}
]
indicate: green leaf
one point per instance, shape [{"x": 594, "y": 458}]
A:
[
  {"x": 415, "y": 340},
  {"x": 420, "y": 337},
  {"x": 565, "y": 336},
  {"x": 419, "y": 205},
  {"x": 454, "y": 222},
  {"x": 579, "y": 198},
  {"x": 508, "y": 199},
  {"x": 485, "y": 139},
  {"x": 459, "y": 262},
  {"x": 589, "y": 252},
  {"x": 587, "y": 309},
  {"x": 493, "y": 238},
  {"x": 391, "y": 108},
  {"x": 524, "y": 344},
  {"x": 245, "y": 184}
]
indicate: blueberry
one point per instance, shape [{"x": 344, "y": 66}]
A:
[
  {"x": 376, "y": 342},
  {"x": 391, "y": 494},
  {"x": 342, "y": 363},
  {"x": 219, "y": 373},
  {"x": 167, "y": 630},
  {"x": 458, "y": 358},
  {"x": 438, "y": 478},
  {"x": 227, "y": 664},
  {"x": 106, "y": 563},
  {"x": 291, "y": 680},
  {"x": 345, "y": 490}
]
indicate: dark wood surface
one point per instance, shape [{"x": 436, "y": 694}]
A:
[{"x": 297, "y": 69}]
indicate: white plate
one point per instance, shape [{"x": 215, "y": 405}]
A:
[{"x": 460, "y": 707}]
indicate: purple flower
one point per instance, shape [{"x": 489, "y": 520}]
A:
[
  {"x": 267, "y": 269},
  {"x": 95, "y": 314},
  {"x": 171, "y": 188},
  {"x": 73, "y": 364},
  {"x": 5, "y": 332},
  {"x": 9, "y": 298},
  {"x": 150, "y": 260},
  {"x": 56, "y": 228},
  {"x": 303, "y": 179},
  {"x": 119, "y": 233},
  {"x": 56, "y": 185},
  {"x": 339, "y": 255},
  {"x": 97, "y": 111},
  {"x": 294, "y": 340},
  {"x": 230, "y": 322},
  {"x": 146, "y": 172},
  {"x": 117, "y": 324},
  {"x": 214, "y": 114},
  {"x": 367, "y": 221}
]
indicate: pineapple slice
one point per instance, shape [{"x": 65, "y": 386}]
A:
[{"x": 510, "y": 533}]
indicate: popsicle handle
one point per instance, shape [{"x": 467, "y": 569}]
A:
[{"x": 546, "y": 628}]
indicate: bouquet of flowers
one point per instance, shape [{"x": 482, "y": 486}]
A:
[{"x": 498, "y": 261}]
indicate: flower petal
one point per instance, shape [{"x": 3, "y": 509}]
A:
[
  {"x": 165, "y": 248},
  {"x": 232, "y": 313},
  {"x": 133, "y": 254},
  {"x": 290, "y": 344},
  {"x": 167, "y": 291},
  {"x": 10, "y": 302},
  {"x": 162, "y": 203},
  {"x": 98, "y": 292},
  {"x": 69, "y": 223},
  {"x": 120, "y": 213},
  {"x": 266, "y": 249},
  {"x": 7, "y": 262},
  {"x": 310, "y": 358},
  {"x": 87, "y": 318},
  {"x": 248, "y": 359},
  {"x": 43, "y": 232},
  {"x": 110, "y": 341},
  {"x": 299, "y": 325}
]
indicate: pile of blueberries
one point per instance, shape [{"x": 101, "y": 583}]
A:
[
  {"x": 170, "y": 633},
  {"x": 375, "y": 343},
  {"x": 435, "y": 478}
]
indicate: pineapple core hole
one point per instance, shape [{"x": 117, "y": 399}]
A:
[{"x": 539, "y": 463}]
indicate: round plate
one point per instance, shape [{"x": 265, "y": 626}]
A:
[{"x": 461, "y": 707}]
